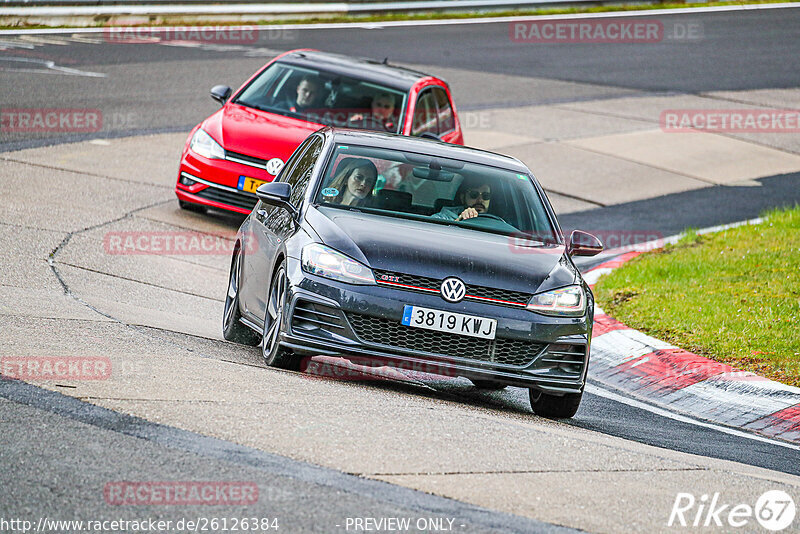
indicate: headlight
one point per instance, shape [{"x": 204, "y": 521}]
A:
[
  {"x": 324, "y": 261},
  {"x": 204, "y": 144},
  {"x": 567, "y": 301}
]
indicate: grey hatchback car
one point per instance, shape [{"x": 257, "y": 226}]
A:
[{"x": 384, "y": 248}]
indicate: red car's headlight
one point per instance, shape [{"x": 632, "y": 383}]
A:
[{"x": 204, "y": 145}]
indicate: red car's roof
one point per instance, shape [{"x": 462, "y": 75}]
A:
[{"x": 367, "y": 69}]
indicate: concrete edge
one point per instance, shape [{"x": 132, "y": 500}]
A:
[
  {"x": 680, "y": 381},
  {"x": 369, "y": 488}
]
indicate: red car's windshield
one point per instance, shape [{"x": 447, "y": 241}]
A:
[{"x": 325, "y": 98}]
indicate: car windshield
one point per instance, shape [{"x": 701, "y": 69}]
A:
[
  {"x": 325, "y": 98},
  {"x": 437, "y": 190}
]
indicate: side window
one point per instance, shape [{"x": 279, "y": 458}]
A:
[
  {"x": 300, "y": 173},
  {"x": 445, "y": 111},
  {"x": 292, "y": 161},
  {"x": 425, "y": 115}
]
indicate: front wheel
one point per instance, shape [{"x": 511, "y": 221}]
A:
[
  {"x": 232, "y": 328},
  {"x": 554, "y": 407},
  {"x": 274, "y": 354}
]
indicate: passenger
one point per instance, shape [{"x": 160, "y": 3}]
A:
[
  {"x": 381, "y": 118},
  {"x": 474, "y": 196},
  {"x": 307, "y": 92},
  {"x": 353, "y": 182}
]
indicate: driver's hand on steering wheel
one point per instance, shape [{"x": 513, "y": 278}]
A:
[{"x": 468, "y": 213}]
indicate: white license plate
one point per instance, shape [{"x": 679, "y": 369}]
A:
[{"x": 444, "y": 321}]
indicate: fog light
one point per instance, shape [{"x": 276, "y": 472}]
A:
[{"x": 187, "y": 181}]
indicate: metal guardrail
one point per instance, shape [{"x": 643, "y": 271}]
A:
[
  {"x": 83, "y": 7},
  {"x": 22, "y": 3}
]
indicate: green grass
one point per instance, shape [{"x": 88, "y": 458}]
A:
[
  {"x": 733, "y": 296},
  {"x": 431, "y": 16}
]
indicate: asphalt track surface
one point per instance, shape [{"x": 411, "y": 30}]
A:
[
  {"x": 151, "y": 82},
  {"x": 165, "y": 87}
]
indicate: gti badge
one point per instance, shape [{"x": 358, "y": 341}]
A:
[{"x": 453, "y": 290}]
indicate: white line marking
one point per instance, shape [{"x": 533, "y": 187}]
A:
[
  {"x": 16, "y": 44},
  {"x": 596, "y": 390},
  {"x": 443, "y": 22},
  {"x": 48, "y": 67},
  {"x": 592, "y": 276}
]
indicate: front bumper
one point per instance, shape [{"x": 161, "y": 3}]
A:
[
  {"x": 362, "y": 323},
  {"x": 216, "y": 183}
]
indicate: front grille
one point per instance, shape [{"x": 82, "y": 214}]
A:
[
  {"x": 240, "y": 200},
  {"x": 244, "y": 159},
  {"x": 500, "y": 350},
  {"x": 502, "y": 297}
]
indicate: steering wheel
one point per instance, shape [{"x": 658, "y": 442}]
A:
[{"x": 491, "y": 216}]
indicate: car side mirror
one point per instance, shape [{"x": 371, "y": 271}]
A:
[
  {"x": 221, "y": 93},
  {"x": 583, "y": 244},
  {"x": 277, "y": 194}
]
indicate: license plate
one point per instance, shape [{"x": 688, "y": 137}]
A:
[
  {"x": 249, "y": 184},
  {"x": 454, "y": 323}
]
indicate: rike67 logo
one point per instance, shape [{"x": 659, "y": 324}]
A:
[{"x": 774, "y": 510}]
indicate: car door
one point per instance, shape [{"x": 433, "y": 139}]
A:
[
  {"x": 256, "y": 248},
  {"x": 434, "y": 115},
  {"x": 446, "y": 117},
  {"x": 274, "y": 225}
]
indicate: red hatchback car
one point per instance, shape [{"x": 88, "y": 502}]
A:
[{"x": 247, "y": 141}]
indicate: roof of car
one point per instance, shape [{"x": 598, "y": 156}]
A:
[
  {"x": 425, "y": 146},
  {"x": 367, "y": 69}
]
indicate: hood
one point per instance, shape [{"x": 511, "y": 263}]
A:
[
  {"x": 257, "y": 133},
  {"x": 438, "y": 251}
]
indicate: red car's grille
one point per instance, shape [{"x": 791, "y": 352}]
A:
[
  {"x": 244, "y": 159},
  {"x": 239, "y": 200}
]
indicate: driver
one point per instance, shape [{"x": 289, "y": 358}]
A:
[
  {"x": 307, "y": 92},
  {"x": 474, "y": 196}
]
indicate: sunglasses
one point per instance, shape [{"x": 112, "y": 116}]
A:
[{"x": 473, "y": 195}]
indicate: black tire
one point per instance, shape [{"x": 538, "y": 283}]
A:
[
  {"x": 274, "y": 354},
  {"x": 232, "y": 328},
  {"x": 554, "y": 407},
  {"x": 190, "y": 206},
  {"x": 487, "y": 384}
]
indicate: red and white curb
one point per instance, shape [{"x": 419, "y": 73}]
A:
[{"x": 680, "y": 381}]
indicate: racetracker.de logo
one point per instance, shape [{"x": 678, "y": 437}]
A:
[
  {"x": 730, "y": 120},
  {"x": 167, "y": 243},
  {"x": 33, "y": 120},
  {"x": 377, "y": 370},
  {"x": 598, "y": 31},
  {"x": 55, "y": 367},
  {"x": 201, "y": 34},
  {"x": 180, "y": 493}
]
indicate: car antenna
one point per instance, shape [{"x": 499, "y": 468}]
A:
[{"x": 385, "y": 60}]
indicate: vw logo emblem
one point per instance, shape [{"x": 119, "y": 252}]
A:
[
  {"x": 274, "y": 166},
  {"x": 453, "y": 290}
]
